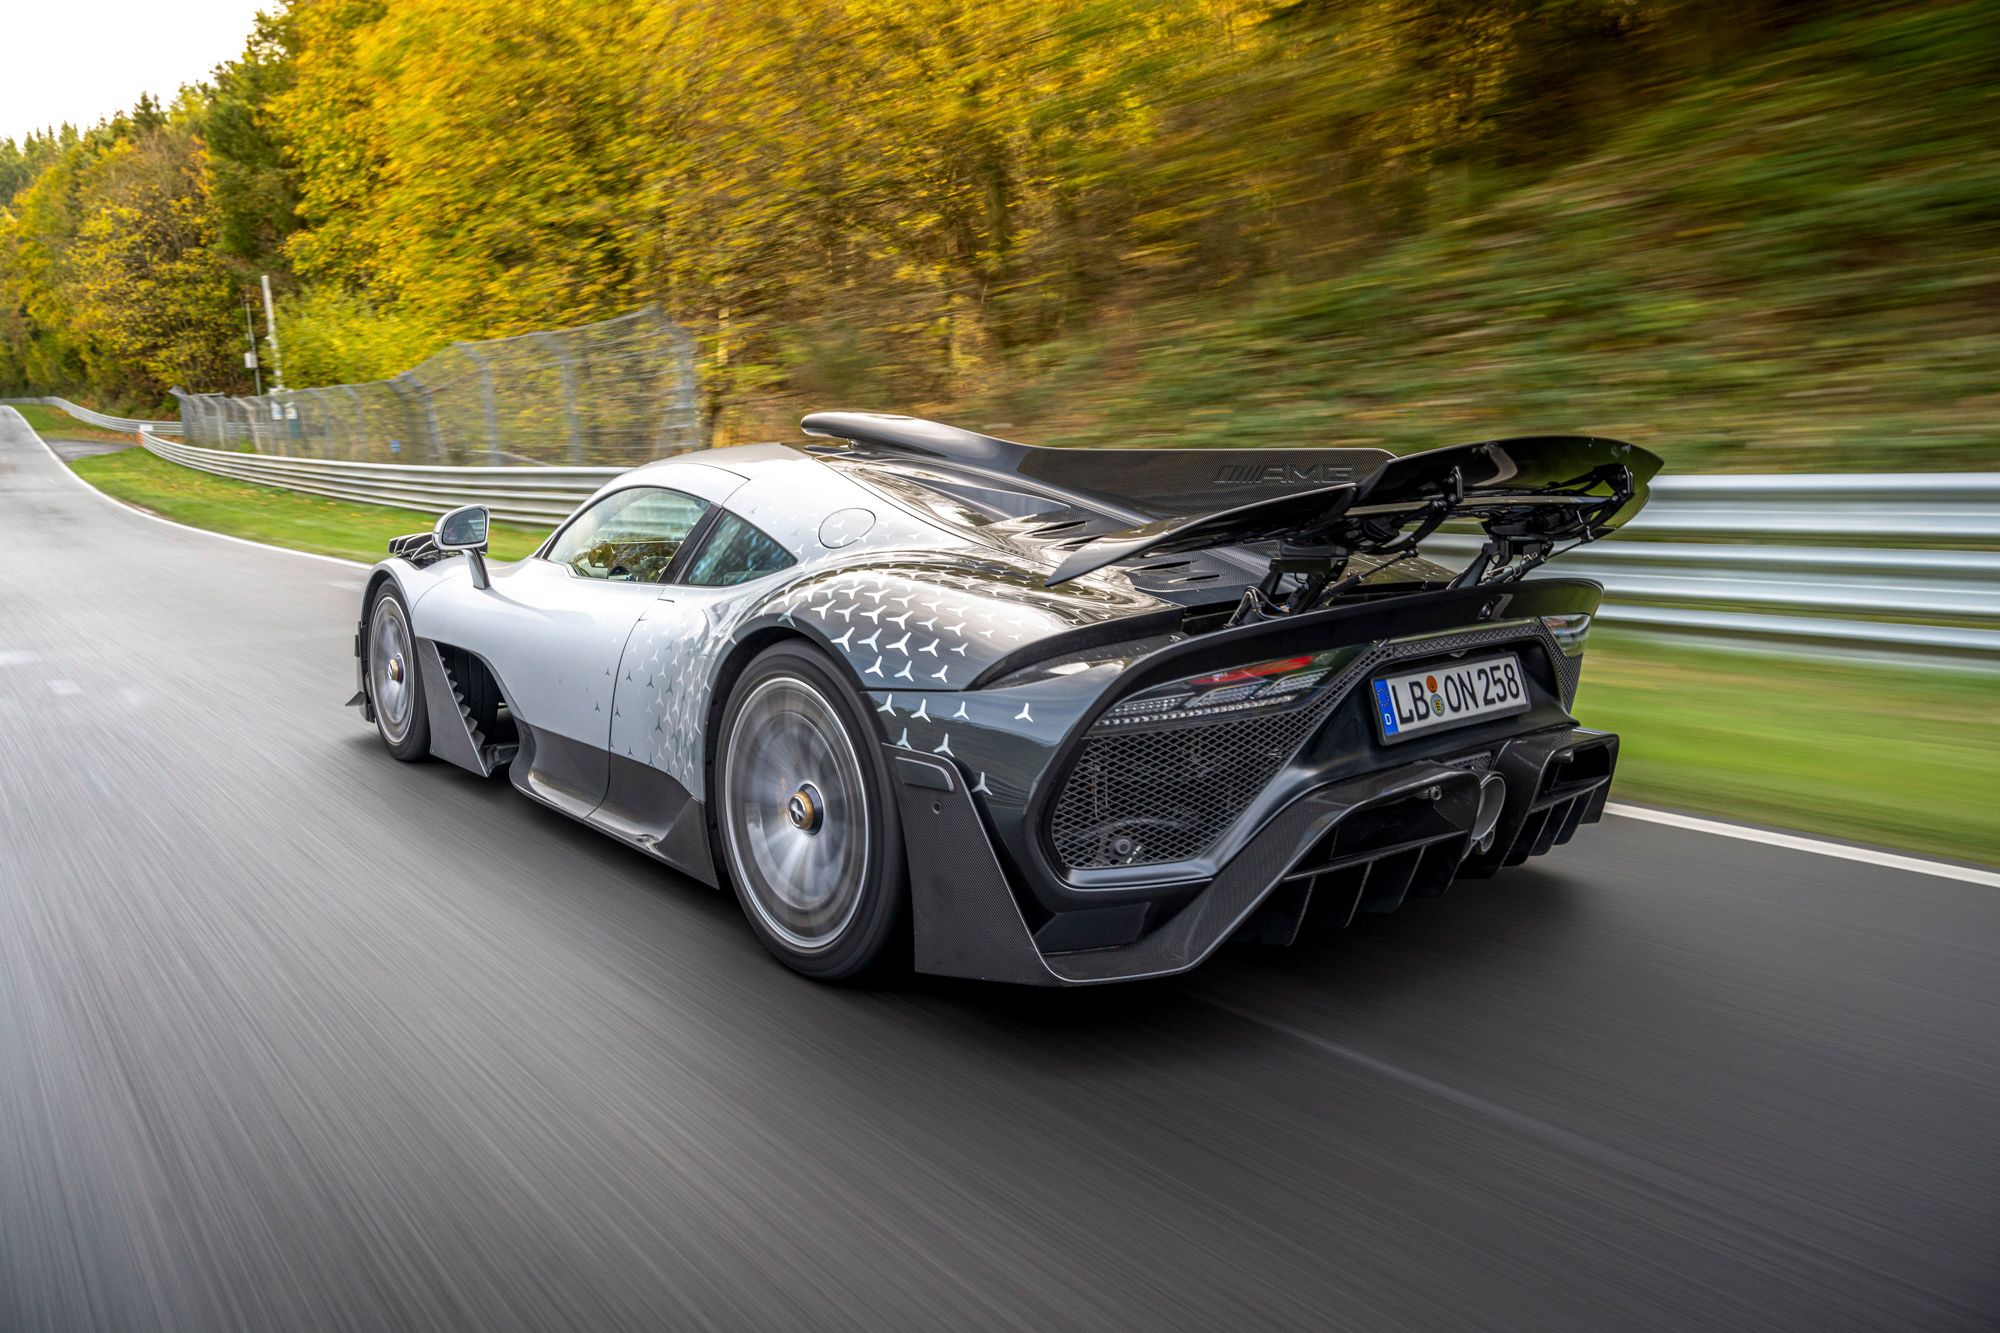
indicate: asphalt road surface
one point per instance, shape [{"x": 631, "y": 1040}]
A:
[{"x": 293, "y": 1036}]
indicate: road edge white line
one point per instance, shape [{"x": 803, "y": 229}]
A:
[
  {"x": 74, "y": 476},
  {"x": 1794, "y": 842}
]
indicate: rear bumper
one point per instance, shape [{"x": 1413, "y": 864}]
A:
[{"x": 1362, "y": 844}]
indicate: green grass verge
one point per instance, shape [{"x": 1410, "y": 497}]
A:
[
  {"x": 266, "y": 514},
  {"x": 1860, "y": 751},
  {"x": 55, "y": 424}
]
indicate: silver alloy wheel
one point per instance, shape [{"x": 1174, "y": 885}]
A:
[
  {"x": 795, "y": 813},
  {"x": 390, "y": 662}
]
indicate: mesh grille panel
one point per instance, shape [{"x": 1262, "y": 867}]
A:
[{"x": 1173, "y": 791}]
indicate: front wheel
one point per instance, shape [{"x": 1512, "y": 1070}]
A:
[
  {"x": 395, "y": 686},
  {"x": 808, "y": 832}
]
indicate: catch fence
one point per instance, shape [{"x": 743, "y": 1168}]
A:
[{"x": 615, "y": 393}]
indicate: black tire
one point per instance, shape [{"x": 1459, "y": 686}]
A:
[
  {"x": 805, "y": 820},
  {"x": 395, "y": 684}
]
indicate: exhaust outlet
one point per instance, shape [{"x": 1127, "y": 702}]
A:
[{"x": 1492, "y": 800}]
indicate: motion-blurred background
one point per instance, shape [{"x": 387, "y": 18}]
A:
[
  {"x": 1757, "y": 238},
  {"x": 293, "y": 1036}
]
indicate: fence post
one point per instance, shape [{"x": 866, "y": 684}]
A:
[
  {"x": 253, "y": 422},
  {"x": 565, "y": 364},
  {"x": 322, "y": 421},
  {"x": 487, "y": 401},
  {"x": 408, "y": 384},
  {"x": 690, "y": 403},
  {"x": 360, "y": 421}
]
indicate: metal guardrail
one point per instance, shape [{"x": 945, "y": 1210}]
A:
[
  {"x": 530, "y": 495},
  {"x": 129, "y": 425},
  {"x": 1793, "y": 570},
  {"x": 1809, "y": 596}
]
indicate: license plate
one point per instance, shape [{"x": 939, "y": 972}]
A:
[{"x": 1447, "y": 695}]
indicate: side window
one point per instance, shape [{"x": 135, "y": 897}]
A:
[
  {"x": 734, "y": 552},
  {"x": 630, "y": 535}
]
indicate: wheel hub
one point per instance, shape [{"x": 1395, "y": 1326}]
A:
[
  {"x": 806, "y": 808},
  {"x": 396, "y": 668}
]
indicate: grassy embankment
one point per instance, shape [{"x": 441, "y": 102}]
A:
[
  {"x": 266, "y": 514},
  {"x": 52, "y": 423},
  {"x": 1788, "y": 265},
  {"x": 1859, "y": 751}
]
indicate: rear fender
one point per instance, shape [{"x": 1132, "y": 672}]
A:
[{"x": 912, "y": 623}]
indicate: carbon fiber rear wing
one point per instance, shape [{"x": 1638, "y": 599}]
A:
[
  {"x": 1527, "y": 495},
  {"x": 1135, "y": 486}
]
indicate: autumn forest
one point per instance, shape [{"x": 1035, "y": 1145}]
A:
[{"x": 1763, "y": 235}]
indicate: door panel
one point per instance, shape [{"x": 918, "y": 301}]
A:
[
  {"x": 553, "y": 640},
  {"x": 553, "y": 628}
]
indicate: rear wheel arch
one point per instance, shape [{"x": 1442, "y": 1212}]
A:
[
  {"x": 732, "y": 666},
  {"x": 879, "y": 932}
]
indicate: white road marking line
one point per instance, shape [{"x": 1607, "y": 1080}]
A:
[
  {"x": 184, "y": 527},
  {"x": 65, "y": 687},
  {"x": 14, "y": 657},
  {"x": 1916, "y": 865}
]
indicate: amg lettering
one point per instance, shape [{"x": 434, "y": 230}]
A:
[{"x": 1282, "y": 474}]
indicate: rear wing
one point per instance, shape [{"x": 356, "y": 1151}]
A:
[
  {"x": 1527, "y": 495},
  {"x": 1137, "y": 486}
]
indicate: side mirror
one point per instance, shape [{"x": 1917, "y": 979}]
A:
[{"x": 464, "y": 530}]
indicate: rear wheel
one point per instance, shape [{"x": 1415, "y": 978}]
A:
[
  {"x": 395, "y": 686},
  {"x": 808, "y": 833}
]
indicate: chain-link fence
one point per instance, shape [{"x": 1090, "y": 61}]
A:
[{"x": 615, "y": 393}]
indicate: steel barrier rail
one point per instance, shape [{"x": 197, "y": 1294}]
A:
[
  {"x": 514, "y": 494},
  {"x": 98, "y": 419},
  {"x": 1904, "y": 585},
  {"x": 1795, "y": 572}
]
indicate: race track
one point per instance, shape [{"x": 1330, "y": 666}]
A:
[{"x": 293, "y": 1036}]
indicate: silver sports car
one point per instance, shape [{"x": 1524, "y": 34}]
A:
[{"x": 1051, "y": 716}]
